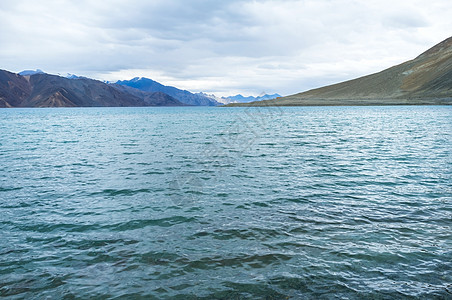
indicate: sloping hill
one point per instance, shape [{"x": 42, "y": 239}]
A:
[{"x": 427, "y": 79}]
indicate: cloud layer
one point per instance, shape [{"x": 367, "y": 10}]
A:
[{"x": 224, "y": 47}]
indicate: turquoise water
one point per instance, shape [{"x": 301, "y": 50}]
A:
[{"x": 226, "y": 203}]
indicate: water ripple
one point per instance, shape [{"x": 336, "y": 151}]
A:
[{"x": 184, "y": 203}]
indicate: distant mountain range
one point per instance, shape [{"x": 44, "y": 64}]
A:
[
  {"x": 44, "y": 90},
  {"x": 242, "y": 99},
  {"x": 239, "y": 98},
  {"x": 35, "y": 88},
  {"x": 31, "y": 72},
  {"x": 149, "y": 85},
  {"x": 427, "y": 79}
]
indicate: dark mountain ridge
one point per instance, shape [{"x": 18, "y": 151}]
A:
[
  {"x": 149, "y": 85},
  {"x": 45, "y": 90},
  {"x": 153, "y": 98}
]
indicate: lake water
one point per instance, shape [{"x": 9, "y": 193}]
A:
[{"x": 226, "y": 203}]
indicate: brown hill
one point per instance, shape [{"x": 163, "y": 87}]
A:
[
  {"x": 14, "y": 89},
  {"x": 427, "y": 79},
  {"x": 45, "y": 90}
]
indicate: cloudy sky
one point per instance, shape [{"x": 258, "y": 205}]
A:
[{"x": 218, "y": 46}]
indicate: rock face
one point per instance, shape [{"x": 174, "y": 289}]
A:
[
  {"x": 151, "y": 98},
  {"x": 44, "y": 90},
  {"x": 427, "y": 79},
  {"x": 149, "y": 85},
  {"x": 14, "y": 89}
]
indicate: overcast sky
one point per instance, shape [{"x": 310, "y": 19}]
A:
[{"x": 218, "y": 46}]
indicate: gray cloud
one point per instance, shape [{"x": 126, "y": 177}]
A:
[
  {"x": 226, "y": 47},
  {"x": 406, "y": 19}
]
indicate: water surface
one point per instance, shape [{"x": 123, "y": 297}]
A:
[{"x": 226, "y": 203}]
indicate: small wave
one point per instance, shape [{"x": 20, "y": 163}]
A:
[
  {"x": 123, "y": 192},
  {"x": 57, "y": 227},
  {"x": 254, "y": 261},
  {"x": 163, "y": 222},
  {"x": 10, "y": 189}
]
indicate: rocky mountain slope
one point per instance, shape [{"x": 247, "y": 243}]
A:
[
  {"x": 427, "y": 79},
  {"x": 152, "y": 98},
  {"x": 45, "y": 90},
  {"x": 149, "y": 85}
]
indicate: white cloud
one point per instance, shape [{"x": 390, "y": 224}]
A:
[{"x": 283, "y": 46}]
